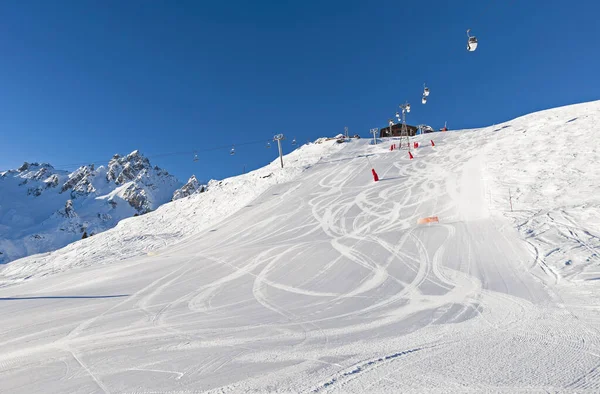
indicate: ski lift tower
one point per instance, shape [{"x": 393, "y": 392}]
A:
[
  {"x": 374, "y": 132},
  {"x": 278, "y": 138},
  {"x": 423, "y": 128},
  {"x": 405, "y": 109}
]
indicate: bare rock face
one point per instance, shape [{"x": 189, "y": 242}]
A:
[
  {"x": 125, "y": 169},
  {"x": 42, "y": 173},
  {"x": 114, "y": 168},
  {"x": 51, "y": 181},
  {"x": 192, "y": 186},
  {"x": 24, "y": 167},
  {"x": 80, "y": 182},
  {"x": 34, "y": 191},
  {"x": 105, "y": 217},
  {"x": 68, "y": 211},
  {"x": 137, "y": 198}
]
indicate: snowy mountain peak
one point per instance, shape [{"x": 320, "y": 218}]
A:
[
  {"x": 30, "y": 171},
  {"x": 125, "y": 169},
  {"x": 54, "y": 205},
  {"x": 192, "y": 186},
  {"x": 33, "y": 166}
]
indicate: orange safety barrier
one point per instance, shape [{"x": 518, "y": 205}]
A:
[{"x": 430, "y": 219}]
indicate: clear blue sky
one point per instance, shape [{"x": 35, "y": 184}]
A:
[{"x": 82, "y": 80}]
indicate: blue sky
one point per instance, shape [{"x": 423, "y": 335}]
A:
[{"x": 82, "y": 80}]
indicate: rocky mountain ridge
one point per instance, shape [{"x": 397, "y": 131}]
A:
[{"x": 42, "y": 208}]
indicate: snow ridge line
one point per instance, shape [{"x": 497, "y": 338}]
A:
[{"x": 364, "y": 366}]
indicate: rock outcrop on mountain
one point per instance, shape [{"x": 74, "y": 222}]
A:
[{"x": 192, "y": 186}]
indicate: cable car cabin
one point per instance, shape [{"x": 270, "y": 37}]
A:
[
  {"x": 396, "y": 131},
  {"x": 424, "y": 100},
  {"x": 472, "y": 44}
]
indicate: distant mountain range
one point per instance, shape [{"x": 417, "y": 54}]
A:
[{"x": 43, "y": 209}]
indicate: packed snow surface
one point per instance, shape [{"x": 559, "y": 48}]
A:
[{"x": 314, "y": 278}]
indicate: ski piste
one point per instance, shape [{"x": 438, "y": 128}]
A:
[{"x": 316, "y": 278}]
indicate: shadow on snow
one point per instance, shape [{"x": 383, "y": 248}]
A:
[{"x": 61, "y": 297}]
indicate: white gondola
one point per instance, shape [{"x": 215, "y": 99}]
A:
[
  {"x": 232, "y": 151},
  {"x": 471, "y": 42},
  {"x": 425, "y": 90},
  {"x": 424, "y": 100},
  {"x": 407, "y": 108},
  {"x": 294, "y": 142},
  {"x": 268, "y": 144}
]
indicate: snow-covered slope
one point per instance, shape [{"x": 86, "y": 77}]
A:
[
  {"x": 172, "y": 222},
  {"x": 43, "y": 209},
  {"x": 547, "y": 164},
  {"x": 314, "y": 278}
]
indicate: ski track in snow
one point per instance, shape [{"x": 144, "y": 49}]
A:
[{"x": 324, "y": 283}]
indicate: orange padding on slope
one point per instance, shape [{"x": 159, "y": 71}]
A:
[{"x": 431, "y": 219}]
